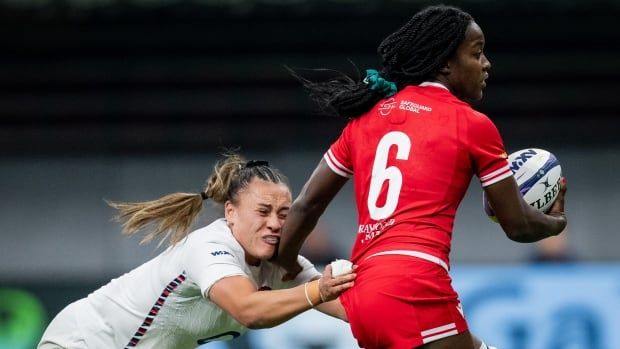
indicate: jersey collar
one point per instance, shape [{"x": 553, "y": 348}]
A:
[{"x": 435, "y": 84}]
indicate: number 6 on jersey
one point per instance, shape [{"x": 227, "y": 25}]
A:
[{"x": 381, "y": 173}]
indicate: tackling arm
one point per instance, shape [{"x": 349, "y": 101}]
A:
[{"x": 254, "y": 309}]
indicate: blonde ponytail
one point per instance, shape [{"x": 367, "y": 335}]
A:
[
  {"x": 224, "y": 173},
  {"x": 172, "y": 216}
]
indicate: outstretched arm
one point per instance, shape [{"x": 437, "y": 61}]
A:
[
  {"x": 520, "y": 221},
  {"x": 316, "y": 194},
  {"x": 238, "y": 296}
]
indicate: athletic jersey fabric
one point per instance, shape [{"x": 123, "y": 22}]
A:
[
  {"x": 164, "y": 302},
  {"x": 412, "y": 158}
]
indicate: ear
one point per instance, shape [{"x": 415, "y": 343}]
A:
[
  {"x": 445, "y": 70},
  {"x": 230, "y": 212}
]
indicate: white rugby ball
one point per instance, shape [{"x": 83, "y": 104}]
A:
[
  {"x": 341, "y": 267},
  {"x": 538, "y": 173}
]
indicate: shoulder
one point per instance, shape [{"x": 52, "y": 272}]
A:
[
  {"x": 214, "y": 240},
  {"x": 216, "y": 232},
  {"x": 476, "y": 114},
  {"x": 471, "y": 115},
  {"x": 480, "y": 119}
]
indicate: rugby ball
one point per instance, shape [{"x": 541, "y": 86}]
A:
[{"x": 538, "y": 173}]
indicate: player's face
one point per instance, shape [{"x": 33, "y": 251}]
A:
[
  {"x": 256, "y": 220},
  {"x": 469, "y": 67}
]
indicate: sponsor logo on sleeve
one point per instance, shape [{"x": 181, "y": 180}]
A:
[{"x": 220, "y": 253}]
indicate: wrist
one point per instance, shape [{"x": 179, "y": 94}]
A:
[
  {"x": 312, "y": 293},
  {"x": 560, "y": 226},
  {"x": 321, "y": 293},
  {"x": 560, "y": 222}
]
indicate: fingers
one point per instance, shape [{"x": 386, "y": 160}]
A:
[
  {"x": 327, "y": 272},
  {"x": 563, "y": 187},
  {"x": 332, "y": 292},
  {"x": 331, "y": 287},
  {"x": 557, "y": 209},
  {"x": 337, "y": 290}
]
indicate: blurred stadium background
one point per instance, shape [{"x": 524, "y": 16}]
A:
[{"x": 133, "y": 99}]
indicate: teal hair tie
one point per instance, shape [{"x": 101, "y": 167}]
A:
[{"x": 376, "y": 83}]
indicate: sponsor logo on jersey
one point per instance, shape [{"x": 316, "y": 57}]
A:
[
  {"x": 386, "y": 107},
  {"x": 220, "y": 253},
  {"x": 413, "y": 107},
  {"x": 372, "y": 230}
]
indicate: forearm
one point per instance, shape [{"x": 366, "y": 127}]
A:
[
  {"x": 333, "y": 308},
  {"x": 301, "y": 219},
  {"x": 316, "y": 194},
  {"x": 537, "y": 226},
  {"x": 264, "y": 309},
  {"x": 520, "y": 221}
]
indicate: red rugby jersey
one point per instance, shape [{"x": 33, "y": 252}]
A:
[{"x": 412, "y": 158}]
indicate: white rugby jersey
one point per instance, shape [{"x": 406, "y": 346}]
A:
[{"x": 163, "y": 303}]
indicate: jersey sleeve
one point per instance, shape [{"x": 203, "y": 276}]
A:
[
  {"x": 209, "y": 262},
  {"x": 307, "y": 273},
  {"x": 338, "y": 157},
  {"x": 487, "y": 151}
]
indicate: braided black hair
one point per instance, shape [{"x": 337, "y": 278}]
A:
[
  {"x": 416, "y": 51},
  {"x": 411, "y": 55}
]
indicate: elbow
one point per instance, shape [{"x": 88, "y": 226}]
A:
[
  {"x": 252, "y": 324},
  {"x": 253, "y": 321},
  {"x": 257, "y": 325}
]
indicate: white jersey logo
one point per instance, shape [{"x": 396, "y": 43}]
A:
[
  {"x": 414, "y": 107},
  {"x": 386, "y": 107}
]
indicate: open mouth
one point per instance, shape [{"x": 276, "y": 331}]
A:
[{"x": 271, "y": 239}]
